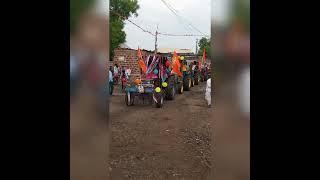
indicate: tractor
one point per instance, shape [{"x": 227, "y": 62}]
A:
[{"x": 148, "y": 87}]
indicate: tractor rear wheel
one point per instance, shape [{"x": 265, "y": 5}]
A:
[
  {"x": 187, "y": 83},
  {"x": 170, "y": 92},
  {"x": 180, "y": 88}
]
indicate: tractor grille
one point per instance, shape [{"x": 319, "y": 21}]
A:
[{"x": 147, "y": 83}]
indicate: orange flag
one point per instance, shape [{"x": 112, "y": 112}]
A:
[
  {"x": 141, "y": 62},
  {"x": 176, "y": 64},
  {"x": 204, "y": 55}
]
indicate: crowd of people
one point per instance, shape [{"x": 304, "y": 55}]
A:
[{"x": 117, "y": 73}]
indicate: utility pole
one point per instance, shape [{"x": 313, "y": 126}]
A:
[
  {"x": 156, "y": 40},
  {"x": 197, "y": 47}
]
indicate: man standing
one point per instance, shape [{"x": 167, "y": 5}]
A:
[
  {"x": 116, "y": 73},
  {"x": 123, "y": 77},
  {"x": 208, "y": 92},
  {"x": 128, "y": 73},
  {"x": 184, "y": 68},
  {"x": 110, "y": 81}
]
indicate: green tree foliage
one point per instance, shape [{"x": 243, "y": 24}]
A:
[
  {"x": 205, "y": 43},
  {"x": 77, "y": 7},
  {"x": 126, "y": 8}
]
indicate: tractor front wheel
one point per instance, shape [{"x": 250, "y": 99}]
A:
[
  {"x": 158, "y": 99},
  {"x": 170, "y": 92}
]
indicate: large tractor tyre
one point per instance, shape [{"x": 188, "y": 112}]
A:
[
  {"x": 157, "y": 99},
  {"x": 129, "y": 98},
  {"x": 205, "y": 76},
  {"x": 180, "y": 88},
  {"x": 187, "y": 83},
  {"x": 170, "y": 92},
  {"x": 196, "y": 79}
]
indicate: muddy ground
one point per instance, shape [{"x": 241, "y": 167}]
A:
[{"x": 174, "y": 142}]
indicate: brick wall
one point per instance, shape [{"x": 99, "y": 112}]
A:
[{"x": 128, "y": 58}]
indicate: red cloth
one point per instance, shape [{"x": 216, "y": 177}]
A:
[
  {"x": 204, "y": 55},
  {"x": 176, "y": 64}
]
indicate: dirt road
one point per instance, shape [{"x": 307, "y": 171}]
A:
[{"x": 174, "y": 142}]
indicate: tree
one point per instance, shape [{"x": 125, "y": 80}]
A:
[
  {"x": 125, "y": 8},
  {"x": 205, "y": 43}
]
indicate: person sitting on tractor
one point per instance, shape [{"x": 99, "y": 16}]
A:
[{"x": 184, "y": 68}]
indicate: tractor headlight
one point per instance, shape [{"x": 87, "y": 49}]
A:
[
  {"x": 164, "y": 84},
  {"x": 158, "y": 89}
]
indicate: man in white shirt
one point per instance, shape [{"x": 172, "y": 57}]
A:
[
  {"x": 128, "y": 73},
  {"x": 244, "y": 91},
  {"x": 116, "y": 72},
  {"x": 194, "y": 65},
  {"x": 110, "y": 82}
]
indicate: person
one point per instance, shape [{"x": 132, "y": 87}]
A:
[
  {"x": 184, "y": 68},
  {"x": 110, "y": 81},
  {"x": 194, "y": 65},
  {"x": 116, "y": 73},
  {"x": 128, "y": 73},
  {"x": 123, "y": 77},
  {"x": 208, "y": 92}
]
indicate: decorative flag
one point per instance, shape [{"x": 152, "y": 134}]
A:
[
  {"x": 141, "y": 62},
  {"x": 176, "y": 64}
]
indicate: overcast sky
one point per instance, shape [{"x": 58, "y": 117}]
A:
[{"x": 153, "y": 12}]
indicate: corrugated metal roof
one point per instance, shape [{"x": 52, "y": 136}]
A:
[
  {"x": 171, "y": 50},
  {"x": 124, "y": 45},
  {"x": 135, "y": 49}
]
